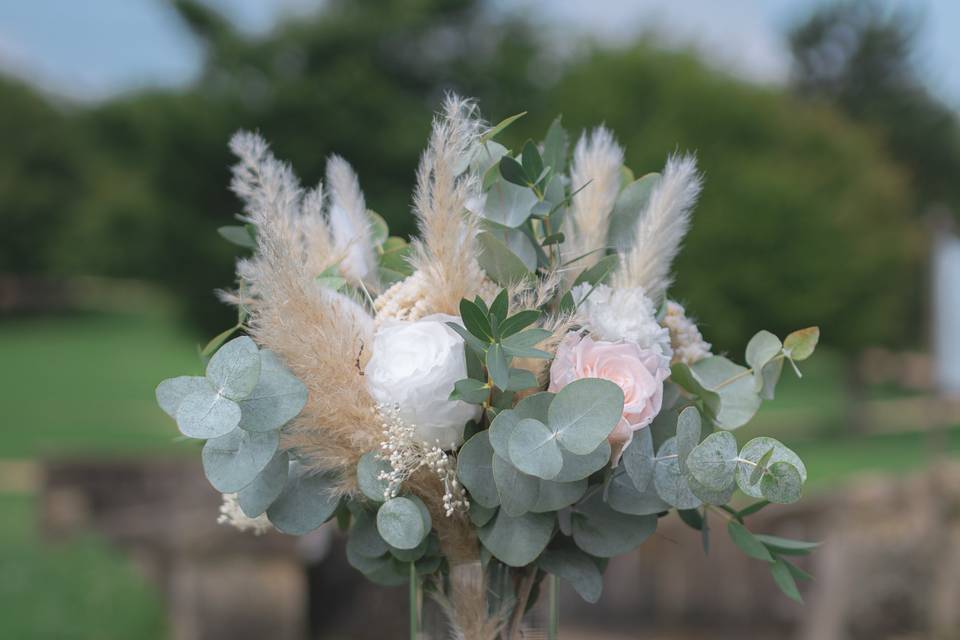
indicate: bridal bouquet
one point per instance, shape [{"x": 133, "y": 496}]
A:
[{"x": 510, "y": 396}]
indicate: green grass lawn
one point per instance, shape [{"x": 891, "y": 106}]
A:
[{"x": 85, "y": 384}]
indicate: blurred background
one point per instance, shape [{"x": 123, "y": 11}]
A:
[{"x": 830, "y": 140}]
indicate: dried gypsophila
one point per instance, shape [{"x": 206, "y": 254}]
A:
[{"x": 406, "y": 454}]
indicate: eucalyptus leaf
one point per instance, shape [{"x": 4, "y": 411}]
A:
[
  {"x": 206, "y": 414},
  {"x": 584, "y": 413},
  {"x": 630, "y": 203},
  {"x": 171, "y": 392},
  {"x": 364, "y": 539},
  {"x": 534, "y": 406},
  {"x": 522, "y": 345},
  {"x": 257, "y": 496},
  {"x": 688, "y": 435},
  {"x": 517, "y": 541},
  {"x": 238, "y": 235},
  {"x": 521, "y": 379},
  {"x": 714, "y": 461},
  {"x": 603, "y": 532},
  {"x": 800, "y": 344},
  {"x": 518, "y": 491},
  {"x": 669, "y": 481},
  {"x": 508, "y": 203},
  {"x": 533, "y": 449},
  {"x": 400, "y": 523},
  {"x": 747, "y": 542},
  {"x": 783, "y": 576},
  {"x": 500, "y": 431},
  {"x": 753, "y": 451},
  {"x": 577, "y": 467},
  {"x": 307, "y": 501},
  {"x": 276, "y": 400},
  {"x": 231, "y": 462},
  {"x": 555, "y": 146},
  {"x": 497, "y": 366},
  {"x": 711, "y": 496},
  {"x": 786, "y": 546},
  {"x": 622, "y": 495},
  {"x": 782, "y": 483},
  {"x": 235, "y": 368},
  {"x": 481, "y": 515},
  {"x": 576, "y": 568},
  {"x": 500, "y": 263},
  {"x": 762, "y": 348},
  {"x": 368, "y": 476},
  {"x": 553, "y": 495},
  {"x": 638, "y": 459},
  {"x": 475, "y": 470},
  {"x": 768, "y": 377},
  {"x": 470, "y": 390}
]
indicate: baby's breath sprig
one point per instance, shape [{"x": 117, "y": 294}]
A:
[{"x": 406, "y": 454}]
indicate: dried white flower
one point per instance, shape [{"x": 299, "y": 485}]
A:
[
  {"x": 233, "y": 515},
  {"x": 688, "y": 344},
  {"x": 622, "y": 314},
  {"x": 407, "y": 453}
]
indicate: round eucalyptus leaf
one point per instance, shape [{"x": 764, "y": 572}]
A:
[
  {"x": 206, "y": 414},
  {"x": 235, "y": 368},
  {"x": 500, "y": 263},
  {"x": 400, "y": 523},
  {"x": 584, "y": 413},
  {"x": 171, "y": 392},
  {"x": 669, "y": 481},
  {"x": 622, "y": 495},
  {"x": 762, "y": 348},
  {"x": 475, "y": 470},
  {"x": 580, "y": 467},
  {"x": 533, "y": 449},
  {"x": 278, "y": 397},
  {"x": 728, "y": 390},
  {"x": 630, "y": 203},
  {"x": 366, "y": 564},
  {"x": 231, "y": 462},
  {"x": 257, "y": 496},
  {"x": 753, "y": 451},
  {"x": 500, "y": 431},
  {"x": 688, "y": 435},
  {"x": 479, "y": 514},
  {"x": 711, "y": 496},
  {"x": 411, "y": 555},
  {"x": 307, "y": 501},
  {"x": 368, "y": 476},
  {"x": 508, "y": 204},
  {"x": 391, "y": 573},
  {"x": 638, "y": 459},
  {"x": 517, "y": 541},
  {"x": 714, "y": 461},
  {"x": 517, "y": 491},
  {"x": 604, "y": 533},
  {"x": 575, "y": 567},
  {"x": 781, "y": 484},
  {"x": 534, "y": 406},
  {"x": 553, "y": 496},
  {"x": 364, "y": 539}
]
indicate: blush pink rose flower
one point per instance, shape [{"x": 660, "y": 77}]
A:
[{"x": 639, "y": 372}]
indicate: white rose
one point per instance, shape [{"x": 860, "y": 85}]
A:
[{"x": 414, "y": 366}]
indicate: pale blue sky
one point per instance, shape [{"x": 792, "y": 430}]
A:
[{"x": 98, "y": 48}]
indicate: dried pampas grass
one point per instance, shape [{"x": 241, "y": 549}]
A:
[
  {"x": 318, "y": 333},
  {"x": 597, "y": 160},
  {"x": 445, "y": 256},
  {"x": 660, "y": 229}
]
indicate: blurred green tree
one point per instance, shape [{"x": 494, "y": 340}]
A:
[{"x": 860, "y": 56}]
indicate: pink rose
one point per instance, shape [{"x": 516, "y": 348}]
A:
[{"x": 639, "y": 372}]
